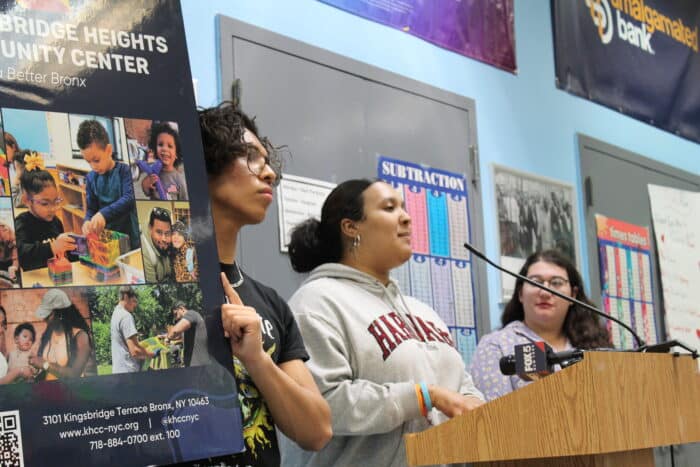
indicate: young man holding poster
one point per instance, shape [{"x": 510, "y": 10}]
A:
[{"x": 274, "y": 386}]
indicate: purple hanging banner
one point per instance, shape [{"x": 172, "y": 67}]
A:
[{"x": 479, "y": 29}]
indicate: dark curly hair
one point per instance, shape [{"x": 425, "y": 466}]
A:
[
  {"x": 315, "y": 242},
  {"x": 160, "y": 128},
  {"x": 26, "y": 326},
  {"x": 92, "y": 131},
  {"x": 581, "y": 327},
  {"x": 222, "y": 129}
]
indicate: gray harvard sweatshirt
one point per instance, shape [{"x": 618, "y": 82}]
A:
[{"x": 369, "y": 346}]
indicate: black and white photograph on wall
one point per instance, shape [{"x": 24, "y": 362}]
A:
[{"x": 534, "y": 213}]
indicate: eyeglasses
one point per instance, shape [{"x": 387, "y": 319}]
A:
[
  {"x": 257, "y": 162},
  {"x": 556, "y": 282},
  {"x": 45, "y": 203}
]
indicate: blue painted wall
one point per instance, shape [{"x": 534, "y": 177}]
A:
[
  {"x": 523, "y": 120},
  {"x": 29, "y": 128}
]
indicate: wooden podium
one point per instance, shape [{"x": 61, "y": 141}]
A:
[{"x": 610, "y": 409}]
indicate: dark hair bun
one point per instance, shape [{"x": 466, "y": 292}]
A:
[{"x": 305, "y": 247}]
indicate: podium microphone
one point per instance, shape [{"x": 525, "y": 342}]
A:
[{"x": 534, "y": 360}]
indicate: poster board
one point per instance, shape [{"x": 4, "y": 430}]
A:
[
  {"x": 626, "y": 280},
  {"x": 676, "y": 228},
  {"x": 79, "y": 398},
  {"x": 299, "y": 198}
]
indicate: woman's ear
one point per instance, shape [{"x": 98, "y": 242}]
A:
[{"x": 348, "y": 228}]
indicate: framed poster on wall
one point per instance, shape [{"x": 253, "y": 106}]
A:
[{"x": 534, "y": 213}]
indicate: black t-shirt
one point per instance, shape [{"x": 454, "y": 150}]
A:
[
  {"x": 33, "y": 235},
  {"x": 283, "y": 342}
]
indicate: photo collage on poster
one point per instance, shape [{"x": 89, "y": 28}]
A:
[{"x": 89, "y": 204}]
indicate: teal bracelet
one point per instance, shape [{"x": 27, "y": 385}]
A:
[{"x": 426, "y": 396}]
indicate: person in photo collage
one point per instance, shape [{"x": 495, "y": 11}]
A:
[
  {"x": 66, "y": 349},
  {"x": 39, "y": 232},
  {"x": 165, "y": 145},
  {"x": 109, "y": 190}
]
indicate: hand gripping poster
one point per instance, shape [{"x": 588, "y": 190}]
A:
[{"x": 105, "y": 232}]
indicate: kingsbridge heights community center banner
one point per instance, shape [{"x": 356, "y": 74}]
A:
[
  {"x": 639, "y": 57},
  {"x": 479, "y": 29},
  {"x": 105, "y": 239}
]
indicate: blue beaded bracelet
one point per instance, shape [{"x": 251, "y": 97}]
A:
[{"x": 426, "y": 396}]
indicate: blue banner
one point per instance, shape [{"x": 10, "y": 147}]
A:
[{"x": 639, "y": 57}]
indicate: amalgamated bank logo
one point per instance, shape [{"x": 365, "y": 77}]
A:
[
  {"x": 602, "y": 18},
  {"x": 627, "y": 30},
  {"x": 636, "y": 21}
]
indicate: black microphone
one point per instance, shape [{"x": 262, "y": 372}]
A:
[
  {"x": 535, "y": 360},
  {"x": 531, "y": 362},
  {"x": 640, "y": 343}
]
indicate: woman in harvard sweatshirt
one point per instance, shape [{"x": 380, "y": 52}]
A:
[{"x": 380, "y": 359}]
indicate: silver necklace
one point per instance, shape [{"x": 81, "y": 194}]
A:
[{"x": 240, "y": 276}]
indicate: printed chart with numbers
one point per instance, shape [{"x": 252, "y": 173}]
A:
[
  {"x": 440, "y": 271},
  {"x": 626, "y": 282}
]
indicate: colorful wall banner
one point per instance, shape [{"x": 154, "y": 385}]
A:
[
  {"x": 626, "y": 280},
  {"x": 91, "y": 94},
  {"x": 479, "y": 29},
  {"x": 440, "y": 271},
  {"x": 639, "y": 57}
]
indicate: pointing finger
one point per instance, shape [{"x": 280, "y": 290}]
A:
[{"x": 229, "y": 292}]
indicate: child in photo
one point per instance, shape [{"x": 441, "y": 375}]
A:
[
  {"x": 165, "y": 143},
  {"x": 6, "y": 160},
  {"x": 38, "y": 231},
  {"x": 16, "y": 172},
  {"x": 25, "y": 336},
  {"x": 8, "y": 253},
  {"x": 184, "y": 257},
  {"x": 109, "y": 189}
]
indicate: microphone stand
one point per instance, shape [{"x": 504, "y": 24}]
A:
[{"x": 661, "y": 347}]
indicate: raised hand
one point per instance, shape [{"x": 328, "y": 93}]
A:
[{"x": 242, "y": 325}]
